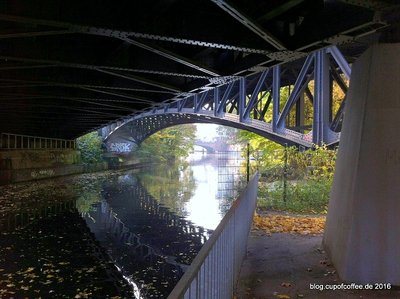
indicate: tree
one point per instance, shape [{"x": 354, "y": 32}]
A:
[
  {"x": 90, "y": 148},
  {"x": 227, "y": 133},
  {"x": 168, "y": 144},
  {"x": 267, "y": 154}
]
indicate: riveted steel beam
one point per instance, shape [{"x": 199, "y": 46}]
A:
[
  {"x": 298, "y": 87},
  {"x": 74, "y": 28},
  {"x": 57, "y": 63},
  {"x": 221, "y": 105},
  {"x": 35, "y": 83},
  {"x": 241, "y": 100},
  {"x": 133, "y": 98},
  {"x": 276, "y": 95},
  {"x": 34, "y": 34},
  {"x": 114, "y": 34},
  {"x": 250, "y": 24},
  {"x": 138, "y": 79},
  {"x": 340, "y": 60},
  {"x": 255, "y": 94}
]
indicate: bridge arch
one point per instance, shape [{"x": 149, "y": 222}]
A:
[{"x": 132, "y": 133}]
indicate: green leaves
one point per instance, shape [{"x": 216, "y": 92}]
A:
[
  {"x": 168, "y": 144},
  {"x": 90, "y": 147}
]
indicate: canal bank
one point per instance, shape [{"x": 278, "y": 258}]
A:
[{"x": 29, "y": 165}]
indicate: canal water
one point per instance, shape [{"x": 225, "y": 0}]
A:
[{"x": 122, "y": 234}]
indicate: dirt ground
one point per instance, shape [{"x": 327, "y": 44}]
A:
[{"x": 284, "y": 265}]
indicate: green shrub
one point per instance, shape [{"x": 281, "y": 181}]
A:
[
  {"x": 308, "y": 196},
  {"x": 90, "y": 147}
]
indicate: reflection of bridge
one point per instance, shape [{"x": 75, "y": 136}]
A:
[
  {"x": 24, "y": 216},
  {"x": 142, "y": 234}
]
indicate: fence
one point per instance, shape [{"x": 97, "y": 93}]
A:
[
  {"x": 214, "y": 271},
  {"x": 230, "y": 173},
  {"x": 13, "y": 141}
]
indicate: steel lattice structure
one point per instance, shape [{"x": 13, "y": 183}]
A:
[
  {"x": 244, "y": 103},
  {"x": 67, "y": 68}
]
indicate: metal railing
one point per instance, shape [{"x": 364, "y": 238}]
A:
[
  {"x": 14, "y": 141},
  {"x": 214, "y": 271}
]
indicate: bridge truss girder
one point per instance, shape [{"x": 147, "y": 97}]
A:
[{"x": 245, "y": 103}]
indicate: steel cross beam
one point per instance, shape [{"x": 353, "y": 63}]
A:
[
  {"x": 16, "y": 97},
  {"x": 103, "y": 69},
  {"x": 109, "y": 33},
  {"x": 370, "y": 4},
  {"x": 73, "y": 28},
  {"x": 34, "y": 34},
  {"x": 250, "y": 24},
  {"x": 35, "y": 83},
  {"x": 64, "y": 64},
  {"x": 130, "y": 97}
]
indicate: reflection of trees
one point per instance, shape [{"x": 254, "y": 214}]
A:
[
  {"x": 89, "y": 196},
  {"x": 171, "y": 185}
]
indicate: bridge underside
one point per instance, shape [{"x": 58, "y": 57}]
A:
[
  {"x": 131, "y": 68},
  {"x": 67, "y": 68}
]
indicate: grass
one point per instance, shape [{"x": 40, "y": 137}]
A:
[{"x": 308, "y": 196}]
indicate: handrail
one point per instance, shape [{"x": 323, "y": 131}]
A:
[
  {"x": 214, "y": 271},
  {"x": 11, "y": 141}
]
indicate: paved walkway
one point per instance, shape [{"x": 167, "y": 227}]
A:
[{"x": 284, "y": 266}]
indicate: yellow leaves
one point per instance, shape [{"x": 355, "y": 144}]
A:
[
  {"x": 289, "y": 224},
  {"x": 283, "y": 296},
  {"x": 30, "y": 269}
]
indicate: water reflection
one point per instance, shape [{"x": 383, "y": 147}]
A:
[
  {"x": 150, "y": 244},
  {"x": 127, "y": 234}
]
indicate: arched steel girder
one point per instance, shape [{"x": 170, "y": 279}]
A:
[
  {"x": 256, "y": 103},
  {"x": 138, "y": 130}
]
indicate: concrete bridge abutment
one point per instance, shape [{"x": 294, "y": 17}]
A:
[{"x": 362, "y": 234}]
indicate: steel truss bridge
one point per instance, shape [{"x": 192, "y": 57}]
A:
[
  {"x": 132, "y": 68},
  {"x": 244, "y": 102}
]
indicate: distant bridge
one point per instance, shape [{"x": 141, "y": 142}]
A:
[{"x": 212, "y": 146}]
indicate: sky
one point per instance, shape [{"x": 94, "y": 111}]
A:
[{"x": 206, "y": 132}]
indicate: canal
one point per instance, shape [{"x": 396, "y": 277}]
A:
[{"x": 116, "y": 234}]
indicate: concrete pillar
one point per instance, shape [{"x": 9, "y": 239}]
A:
[{"x": 362, "y": 234}]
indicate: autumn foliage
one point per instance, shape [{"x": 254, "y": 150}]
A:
[{"x": 302, "y": 225}]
